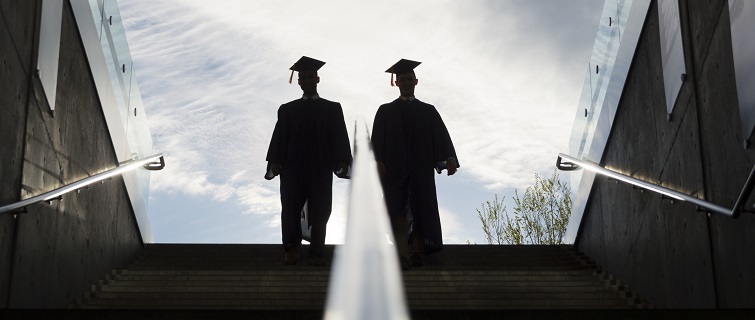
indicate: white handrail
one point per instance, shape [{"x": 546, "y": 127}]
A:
[
  {"x": 154, "y": 162},
  {"x": 575, "y": 163}
]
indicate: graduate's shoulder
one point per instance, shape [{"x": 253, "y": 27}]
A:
[
  {"x": 426, "y": 108},
  {"x": 330, "y": 106},
  {"x": 291, "y": 104},
  {"x": 326, "y": 102},
  {"x": 423, "y": 104},
  {"x": 389, "y": 105}
]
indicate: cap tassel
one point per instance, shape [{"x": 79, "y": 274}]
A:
[
  {"x": 291, "y": 78},
  {"x": 392, "y": 85}
]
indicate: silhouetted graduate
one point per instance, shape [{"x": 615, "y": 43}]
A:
[
  {"x": 309, "y": 144},
  {"x": 410, "y": 140}
]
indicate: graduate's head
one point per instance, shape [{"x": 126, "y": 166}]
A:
[
  {"x": 406, "y": 82},
  {"x": 308, "y": 81},
  {"x": 308, "y": 78},
  {"x": 406, "y": 79}
]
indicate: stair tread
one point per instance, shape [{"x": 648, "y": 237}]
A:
[{"x": 251, "y": 276}]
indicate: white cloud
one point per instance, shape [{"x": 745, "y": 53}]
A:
[
  {"x": 258, "y": 199},
  {"x": 275, "y": 221},
  {"x": 452, "y": 232}
]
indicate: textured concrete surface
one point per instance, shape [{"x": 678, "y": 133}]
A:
[
  {"x": 64, "y": 247},
  {"x": 21, "y": 29},
  {"x": 726, "y": 163},
  {"x": 672, "y": 255},
  {"x": 14, "y": 84}
]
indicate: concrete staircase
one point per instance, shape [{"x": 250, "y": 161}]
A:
[{"x": 460, "y": 280}]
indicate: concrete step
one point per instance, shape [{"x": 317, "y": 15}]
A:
[
  {"x": 304, "y": 252},
  {"x": 417, "y": 276},
  {"x": 556, "y": 268},
  {"x": 310, "y": 303},
  {"x": 279, "y": 283},
  {"x": 424, "y": 271},
  {"x": 529, "y": 313},
  {"x": 452, "y": 288},
  {"x": 266, "y": 255},
  {"x": 490, "y": 294},
  {"x": 252, "y": 277},
  {"x": 260, "y": 248},
  {"x": 229, "y": 262},
  {"x": 158, "y": 283},
  {"x": 299, "y": 279},
  {"x": 207, "y": 303}
]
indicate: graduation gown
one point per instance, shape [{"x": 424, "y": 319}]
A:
[
  {"x": 410, "y": 138},
  {"x": 310, "y": 139}
]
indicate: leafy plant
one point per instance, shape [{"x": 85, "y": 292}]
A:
[{"x": 541, "y": 214}]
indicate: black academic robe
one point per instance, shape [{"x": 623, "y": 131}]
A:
[
  {"x": 310, "y": 139},
  {"x": 410, "y": 138}
]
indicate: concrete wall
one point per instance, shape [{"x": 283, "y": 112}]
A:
[
  {"x": 671, "y": 254},
  {"x": 52, "y": 254},
  {"x": 16, "y": 37}
]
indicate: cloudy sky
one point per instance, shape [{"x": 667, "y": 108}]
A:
[{"x": 504, "y": 75}]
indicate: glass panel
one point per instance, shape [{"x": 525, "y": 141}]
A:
[
  {"x": 615, "y": 43},
  {"x": 579, "y": 133},
  {"x": 139, "y": 137},
  {"x": 672, "y": 53},
  {"x": 580, "y": 130},
  {"x": 129, "y": 96},
  {"x": 111, "y": 62},
  {"x": 49, "y": 49},
  {"x": 119, "y": 96},
  {"x": 743, "y": 48},
  {"x": 600, "y": 69},
  {"x": 97, "y": 7},
  {"x": 119, "y": 47}
]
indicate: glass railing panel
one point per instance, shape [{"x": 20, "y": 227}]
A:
[
  {"x": 121, "y": 57},
  {"x": 615, "y": 43},
  {"x": 742, "y": 13},
  {"x": 140, "y": 139},
  {"x": 631, "y": 15},
  {"x": 580, "y": 130},
  {"x": 111, "y": 61},
  {"x": 601, "y": 66},
  {"x": 120, "y": 44},
  {"x": 113, "y": 69},
  {"x": 98, "y": 7},
  {"x": 672, "y": 53}
]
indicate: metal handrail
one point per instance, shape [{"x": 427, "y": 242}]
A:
[
  {"x": 154, "y": 162},
  {"x": 574, "y": 164},
  {"x": 366, "y": 281}
]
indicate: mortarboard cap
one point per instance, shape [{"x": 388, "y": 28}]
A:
[
  {"x": 305, "y": 64},
  {"x": 402, "y": 66}
]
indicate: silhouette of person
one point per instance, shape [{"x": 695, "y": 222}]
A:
[
  {"x": 410, "y": 139},
  {"x": 308, "y": 145}
]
